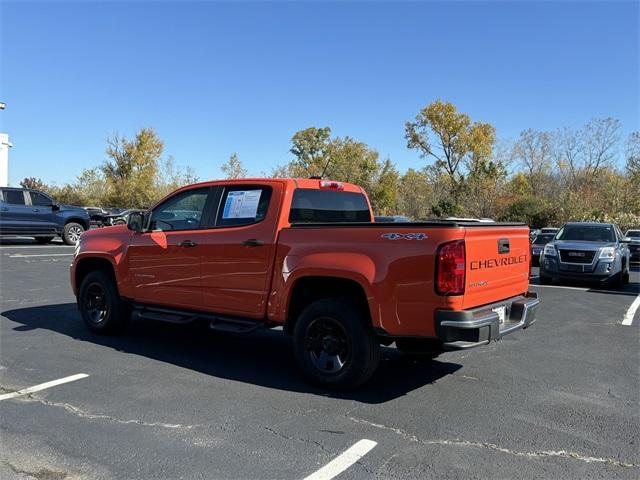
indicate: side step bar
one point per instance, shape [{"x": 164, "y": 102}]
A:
[{"x": 216, "y": 322}]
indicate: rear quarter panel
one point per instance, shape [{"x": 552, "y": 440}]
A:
[{"x": 397, "y": 275}]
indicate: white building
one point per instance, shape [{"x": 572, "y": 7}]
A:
[{"x": 5, "y": 145}]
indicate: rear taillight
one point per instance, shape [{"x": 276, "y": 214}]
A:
[{"x": 450, "y": 268}]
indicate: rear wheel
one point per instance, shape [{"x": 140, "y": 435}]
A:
[
  {"x": 100, "y": 305},
  {"x": 43, "y": 240},
  {"x": 335, "y": 345},
  {"x": 72, "y": 232}
]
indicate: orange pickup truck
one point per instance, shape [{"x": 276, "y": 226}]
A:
[{"x": 306, "y": 255}]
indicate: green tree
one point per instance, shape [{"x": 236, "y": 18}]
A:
[
  {"x": 233, "y": 167},
  {"x": 346, "y": 159},
  {"x": 310, "y": 148}
]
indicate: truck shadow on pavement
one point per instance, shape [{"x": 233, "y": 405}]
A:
[{"x": 264, "y": 358}]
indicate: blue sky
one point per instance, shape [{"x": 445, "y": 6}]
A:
[{"x": 215, "y": 78}]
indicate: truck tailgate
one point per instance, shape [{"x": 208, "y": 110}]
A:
[{"x": 497, "y": 264}]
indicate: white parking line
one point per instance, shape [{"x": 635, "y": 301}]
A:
[
  {"x": 20, "y": 255},
  {"x": 343, "y": 461},
  {"x": 628, "y": 317},
  {"x": 43, "y": 386}
]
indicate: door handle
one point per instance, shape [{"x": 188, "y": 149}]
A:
[
  {"x": 252, "y": 242},
  {"x": 187, "y": 243},
  {"x": 36, "y": 210}
]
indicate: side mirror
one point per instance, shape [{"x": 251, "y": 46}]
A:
[
  {"x": 625, "y": 240},
  {"x": 135, "y": 222},
  {"x": 55, "y": 207}
]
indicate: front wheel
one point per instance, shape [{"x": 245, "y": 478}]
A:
[
  {"x": 72, "y": 232},
  {"x": 335, "y": 345},
  {"x": 100, "y": 305}
]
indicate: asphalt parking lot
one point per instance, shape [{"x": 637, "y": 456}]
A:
[{"x": 560, "y": 400}]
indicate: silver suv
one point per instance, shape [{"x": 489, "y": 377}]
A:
[{"x": 587, "y": 251}]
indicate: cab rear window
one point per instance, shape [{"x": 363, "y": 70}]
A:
[{"x": 319, "y": 206}]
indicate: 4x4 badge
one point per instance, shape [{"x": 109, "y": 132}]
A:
[{"x": 404, "y": 236}]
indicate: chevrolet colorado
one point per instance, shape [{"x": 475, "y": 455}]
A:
[{"x": 305, "y": 254}]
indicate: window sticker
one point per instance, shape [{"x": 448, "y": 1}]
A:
[{"x": 241, "y": 204}]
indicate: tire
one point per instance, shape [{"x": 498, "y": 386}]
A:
[
  {"x": 621, "y": 279},
  {"x": 419, "y": 348},
  {"x": 625, "y": 276},
  {"x": 334, "y": 344},
  {"x": 43, "y": 240},
  {"x": 100, "y": 305},
  {"x": 71, "y": 233}
]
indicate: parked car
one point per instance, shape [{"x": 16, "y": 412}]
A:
[
  {"x": 29, "y": 213},
  {"x": 97, "y": 215},
  {"x": 537, "y": 247},
  {"x": 391, "y": 219},
  {"x": 121, "y": 217},
  {"x": 587, "y": 251},
  {"x": 634, "y": 245},
  {"x": 533, "y": 233},
  {"x": 304, "y": 254}
]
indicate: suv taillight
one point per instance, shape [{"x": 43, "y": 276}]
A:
[{"x": 450, "y": 268}]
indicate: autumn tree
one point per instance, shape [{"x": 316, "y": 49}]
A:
[
  {"x": 316, "y": 153},
  {"x": 534, "y": 151},
  {"x": 171, "y": 176},
  {"x": 415, "y": 195},
  {"x": 632, "y": 155},
  {"x": 233, "y": 167},
  {"x": 34, "y": 184},
  {"x": 450, "y": 138},
  {"x": 130, "y": 172}
]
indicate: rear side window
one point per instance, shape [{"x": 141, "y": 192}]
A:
[
  {"x": 15, "y": 197},
  {"x": 243, "y": 205},
  {"x": 317, "y": 206},
  {"x": 40, "y": 200}
]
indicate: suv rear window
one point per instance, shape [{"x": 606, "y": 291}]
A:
[{"x": 317, "y": 206}]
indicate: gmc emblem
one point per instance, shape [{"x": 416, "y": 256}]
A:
[{"x": 576, "y": 254}]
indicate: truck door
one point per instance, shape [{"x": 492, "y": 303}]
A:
[
  {"x": 238, "y": 255},
  {"x": 165, "y": 261},
  {"x": 15, "y": 214},
  {"x": 42, "y": 213}
]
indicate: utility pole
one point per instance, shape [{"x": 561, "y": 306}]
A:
[{"x": 5, "y": 145}]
